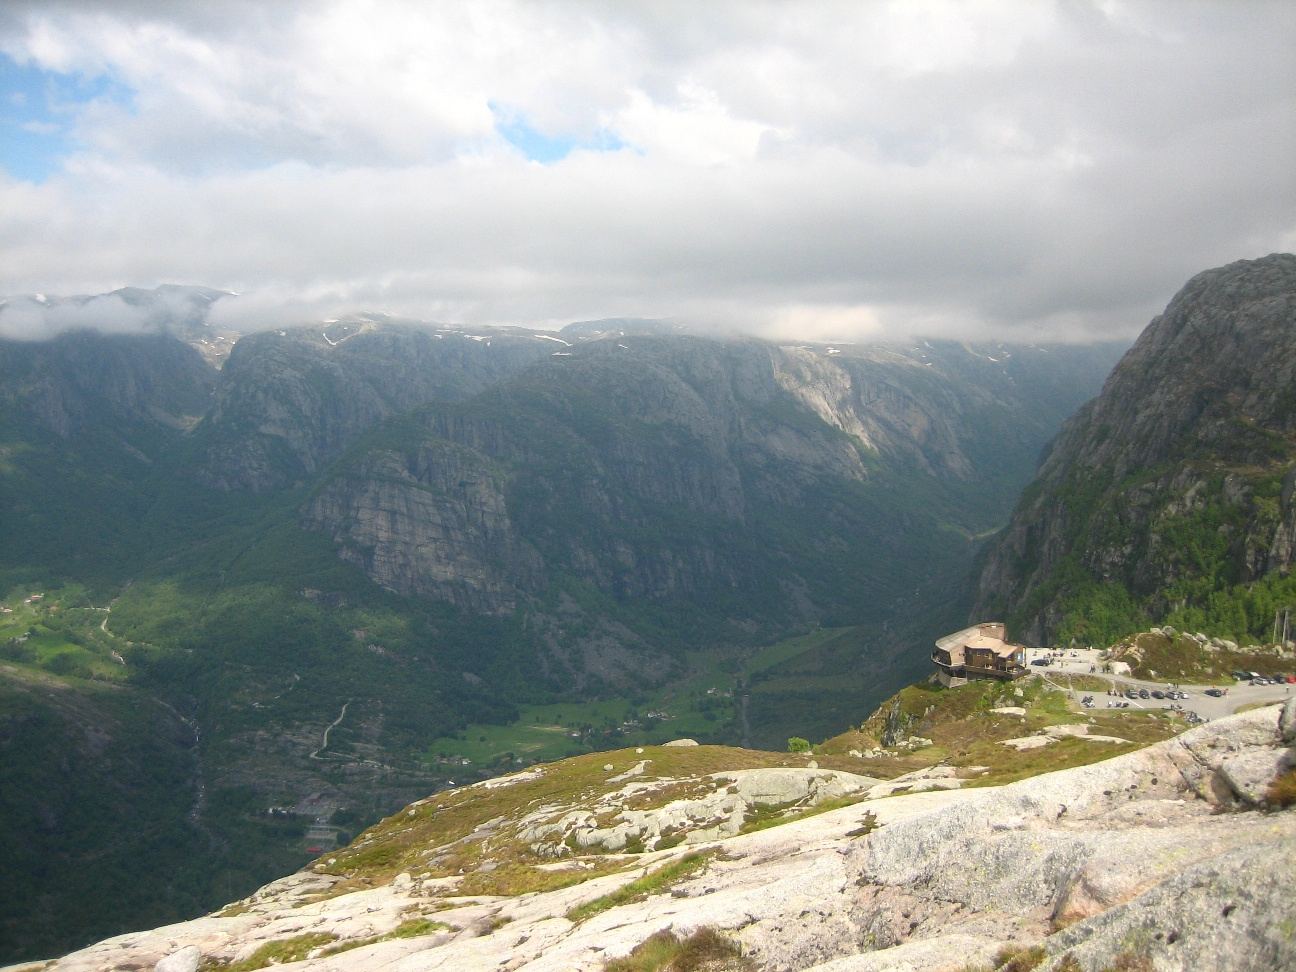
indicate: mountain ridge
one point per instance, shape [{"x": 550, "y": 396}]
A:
[{"x": 1178, "y": 472}]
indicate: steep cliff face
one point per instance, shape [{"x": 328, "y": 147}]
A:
[
  {"x": 654, "y": 468},
  {"x": 291, "y": 401},
  {"x": 635, "y": 468},
  {"x": 1175, "y": 485},
  {"x": 84, "y": 381}
]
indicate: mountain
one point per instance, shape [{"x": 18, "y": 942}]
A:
[
  {"x": 369, "y": 557},
  {"x": 1170, "y": 496},
  {"x": 84, "y": 420},
  {"x": 719, "y": 486},
  {"x": 177, "y": 310},
  {"x": 290, "y": 401},
  {"x": 1178, "y": 855}
]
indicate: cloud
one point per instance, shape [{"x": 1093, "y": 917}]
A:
[
  {"x": 37, "y": 317},
  {"x": 985, "y": 168},
  {"x": 32, "y": 319}
]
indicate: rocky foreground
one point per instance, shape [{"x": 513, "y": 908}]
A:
[{"x": 1177, "y": 856}]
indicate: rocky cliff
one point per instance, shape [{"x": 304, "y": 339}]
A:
[
  {"x": 1173, "y": 857},
  {"x": 86, "y": 382},
  {"x": 656, "y": 467},
  {"x": 291, "y": 401},
  {"x": 1175, "y": 485}
]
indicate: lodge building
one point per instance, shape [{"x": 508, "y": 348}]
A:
[{"x": 981, "y": 651}]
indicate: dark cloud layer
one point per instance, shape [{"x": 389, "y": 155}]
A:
[{"x": 818, "y": 169}]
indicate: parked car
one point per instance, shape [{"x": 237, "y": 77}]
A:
[
  {"x": 1290, "y": 680},
  {"x": 1144, "y": 694},
  {"x": 1158, "y": 694}
]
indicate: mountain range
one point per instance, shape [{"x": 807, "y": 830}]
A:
[{"x": 349, "y": 562}]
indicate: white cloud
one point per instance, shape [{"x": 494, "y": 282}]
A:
[{"x": 842, "y": 168}]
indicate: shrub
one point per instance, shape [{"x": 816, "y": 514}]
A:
[
  {"x": 798, "y": 745},
  {"x": 1013, "y": 959},
  {"x": 1282, "y": 791},
  {"x": 664, "y": 952}
]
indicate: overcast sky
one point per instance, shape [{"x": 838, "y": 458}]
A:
[{"x": 1023, "y": 170}]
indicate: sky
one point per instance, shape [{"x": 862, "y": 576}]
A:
[{"x": 1020, "y": 170}]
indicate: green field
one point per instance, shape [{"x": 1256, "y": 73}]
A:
[
  {"x": 59, "y": 632},
  {"x": 701, "y": 706},
  {"x": 784, "y": 651}
]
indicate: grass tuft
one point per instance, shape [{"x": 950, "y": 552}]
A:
[
  {"x": 1016, "y": 959},
  {"x": 651, "y": 883},
  {"x": 282, "y": 951},
  {"x": 1282, "y": 791},
  {"x": 664, "y": 952},
  {"x": 413, "y": 928}
]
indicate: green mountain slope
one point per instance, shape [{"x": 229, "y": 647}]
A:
[
  {"x": 106, "y": 821},
  {"x": 1170, "y": 496}
]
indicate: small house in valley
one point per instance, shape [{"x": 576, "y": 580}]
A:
[{"x": 981, "y": 651}]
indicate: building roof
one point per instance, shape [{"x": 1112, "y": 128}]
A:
[{"x": 989, "y": 635}]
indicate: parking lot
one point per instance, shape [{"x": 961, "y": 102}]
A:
[{"x": 1084, "y": 661}]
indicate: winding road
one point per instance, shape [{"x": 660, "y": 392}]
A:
[{"x": 335, "y": 722}]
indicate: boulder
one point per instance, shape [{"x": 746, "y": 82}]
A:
[
  {"x": 777, "y": 787},
  {"x": 681, "y": 742},
  {"x": 1023, "y": 743},
  {"x": 1287, "y": 721},
  {"x": 186, "y": 959},
  {"x": 1231, "y": 912},
  {"x": 1249, "y": 774}
]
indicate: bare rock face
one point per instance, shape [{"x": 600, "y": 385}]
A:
[
  {"x": 434, "y": 523},
  {"x": 291, "y": 401},
  {"x": 645, "y": 466},
  {"x": 1114, "y": 864},
  {"x": 81, "y": 379},
  {"x": 1287, "y": 721},
  {"x": 1193, "y": 419}
]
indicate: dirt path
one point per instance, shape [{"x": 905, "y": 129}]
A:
[{"x": 335, "y": 722}]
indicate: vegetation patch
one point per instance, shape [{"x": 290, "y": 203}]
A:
[
  {"x": 706, "y": 948},
  {"x": 1179, "y": 658},
  {"x": 654, "y": 882},
  {"x": 282, "y": 952},
  {"x": 455, "y": 832},
  {"x": 413, "y": 928},
  {"x": 1282, "y": 791},
  {"x": 967, "y": 732},
  {"x": 765, "y": 816},
  {"x": 1017, "y": 959}
]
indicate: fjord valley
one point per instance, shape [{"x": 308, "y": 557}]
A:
[{"x": 362, "y": 559}]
